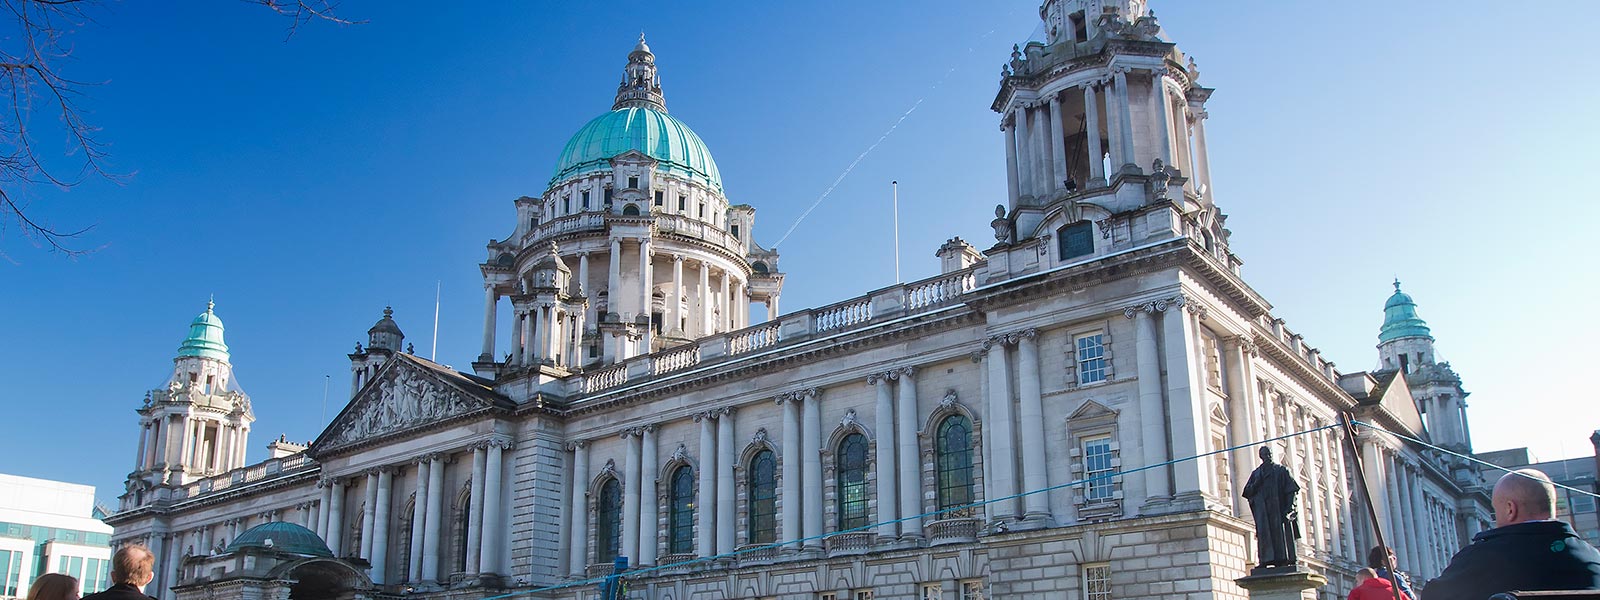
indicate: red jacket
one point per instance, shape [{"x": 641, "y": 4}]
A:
[{"x": 1376, "y": 588}]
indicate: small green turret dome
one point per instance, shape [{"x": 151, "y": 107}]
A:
[
  {"x": 205, "y": 337},
  {"x": 652, "y": 132},
  {"x": 283, "y": 537},
  {"x": 1400, "y": 318}
]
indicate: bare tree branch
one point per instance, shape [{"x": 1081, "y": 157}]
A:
[{"x": 29, "y": 56}]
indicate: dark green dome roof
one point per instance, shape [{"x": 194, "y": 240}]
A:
[
  {"x": 1400, "y": 318},
  {"x": 286, "y": 537}
]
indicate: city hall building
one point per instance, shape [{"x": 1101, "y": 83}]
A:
[{"x": 958, "y": 437}]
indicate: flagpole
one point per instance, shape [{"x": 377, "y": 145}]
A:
[
  {"x": 896, "y": 186},
  {"x": 433, "y": 353}
]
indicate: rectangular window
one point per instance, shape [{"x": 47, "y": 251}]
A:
[
  {"x": 10, "y": 572},
  {"x": 608, "y": 196},
  {"x": 1097, "y": 581},
  {"x": 633, "y": 183},
  {"x": 1097, "y": 468},
  {"x": 1080, "y": 27},
  {"x": 1092, "y": 365},
  {"x": 735, "y": 229},
  {"x": 827, "y": 596},
  {"x": 1076, "y": 240},
  {"x": 566, "y": 205},
  {"x": 972, "y": 589},
  {"x": 702, "y": 210},
  {"x": 586, "y": 199},
  {"x": 932, "y": 591},
  {"x": 682, "y": 202},
  {"x": 660, "y": 197},
  {"x": 863, "y": 595}
]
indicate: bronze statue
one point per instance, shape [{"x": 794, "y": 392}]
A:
[{"x": 1271, "y": 493}]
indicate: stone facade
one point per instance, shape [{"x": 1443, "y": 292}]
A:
[{"x": 1049, "y": 417}]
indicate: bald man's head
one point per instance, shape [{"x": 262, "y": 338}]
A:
[{"x": 1523, "y": 495}]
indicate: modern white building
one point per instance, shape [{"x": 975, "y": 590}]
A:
[
  {"x": 51, "y": 527},
  {"x": 889, "y": 442}
]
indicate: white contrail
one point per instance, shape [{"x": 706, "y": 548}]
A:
[{"x": 874, "y": 146}]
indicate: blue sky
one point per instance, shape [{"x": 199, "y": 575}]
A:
[{"x": 308, "y": 183}]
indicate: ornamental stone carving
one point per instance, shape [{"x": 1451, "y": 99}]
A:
[
  {"x": 404, "y": 399},
  {"x": 949, "y": 400},
  {"x": 1154, "y": 306}
]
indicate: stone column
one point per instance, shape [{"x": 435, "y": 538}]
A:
[
  {"x": 724, "y": 300},
  {"x": 791, "y": 468},
  {"x": 1091, "y": 112},
  {"x": 646, "y": 294},
  {"x": 435, "y": 516},
  {"x": 1418, "y": 520},
  {"x": 334, "y": 538},
  {"x": 489, "y": 299},
  {"x": 1035, "y": 472},
  {"x": 1187, "y": 412},
  {"x": 578, "y": 548},
  {"x": 1241, "y": 420},
  {"x": 380, "y": 527},
  {"x": 614, "y": 278},
  {"x": 1202, "y": 161},
  {"x": 649, "y": 518},
  {"x": 1058, "y": 150},
  {"x": 1001, "y": 437},
  {"x": 1160, "y": 116},
  {"x": 1039, "y": 138},
  {"x": 675, "y": 303},
  {"x": 419, "y": 520},
  {"x": 888, "y": 467},
  {"x": 157, "y": 544},
  {"x": 706, "y": 326},
  {"x": 369, "y": 513},
  {"x": 811, "y": 460},
  {"x": 738, "y": 303},
  {"x": 1125, "y": 123},
  {"x": 772, "y": 307},
  {"x": 1151, "y": 419},
  {"x": 706, "y": 499},
  {"x": 480, "y": 462},
  {"x": 1024, "y": 156},
  {"x": 493, "y": 515},
  {"x": 1395, "y": 535},
  {"x": 630, "y": 496},
  {"x": 910, "y": 459},
  {"x": 530, "y": 343},
  {"x": 144, "y": 434},
  {"x": 1010, "y": 130},
  {"x": 515, "y": 355},
  {"x": 322, "y": 515},
  {"x": 174, "y": 562},
  {"x": 727, "y": 515}
]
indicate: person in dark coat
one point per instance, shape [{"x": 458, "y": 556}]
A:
[
  {"x": 1526, "y": 551},
  {"x": 132, "y": 568},
  {"x": 1271, "y": 492}
]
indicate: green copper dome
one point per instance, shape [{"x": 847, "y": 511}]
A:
[
  {"x": 285, "y": 537},
  {"x": 1400, "y": 318},
  {"x": 205, "y": 337},
  {"x": 650, "y": 131}
]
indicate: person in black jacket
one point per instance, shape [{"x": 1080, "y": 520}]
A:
[
  {"x": 1526, "y": 551},
  {"x": 132, "y": 568}
]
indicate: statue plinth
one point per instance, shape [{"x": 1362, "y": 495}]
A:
[{"x": 1282, "y": 583}]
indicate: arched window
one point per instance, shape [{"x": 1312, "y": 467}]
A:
[
  {"x": 851, "y": 470},
  {"x": 680, "y": 520},
  {"x": 630, "y": 210},
  {"x": 463, "y": 523},
  {"x": 763, "y": 496},
  {"x": 608, "y": 528},
  {"x": 953, "y": 449}
]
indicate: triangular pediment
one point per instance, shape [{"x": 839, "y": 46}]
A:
[
  {"x": 408, "y": 394},
  {"x": 1090, "y": 410},
  {"x": 1395, "y": 398}
]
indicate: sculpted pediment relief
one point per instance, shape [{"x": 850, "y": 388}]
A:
[{"x": 401, "y": 397}]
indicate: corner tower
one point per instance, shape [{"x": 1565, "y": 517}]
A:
[
  {"x": 1104, "y": 137},
  {"x": 199, "y": 424},
  {"x": 1405, "y": 344},
  {"x": 633, "y": 247}
]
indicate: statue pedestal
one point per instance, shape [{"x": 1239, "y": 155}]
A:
[{"x": 1282, "y": 583}]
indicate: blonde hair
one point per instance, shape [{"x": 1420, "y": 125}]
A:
[
  {"x": 54, "y": 586},
  {"x": 132, "y": 564}
]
